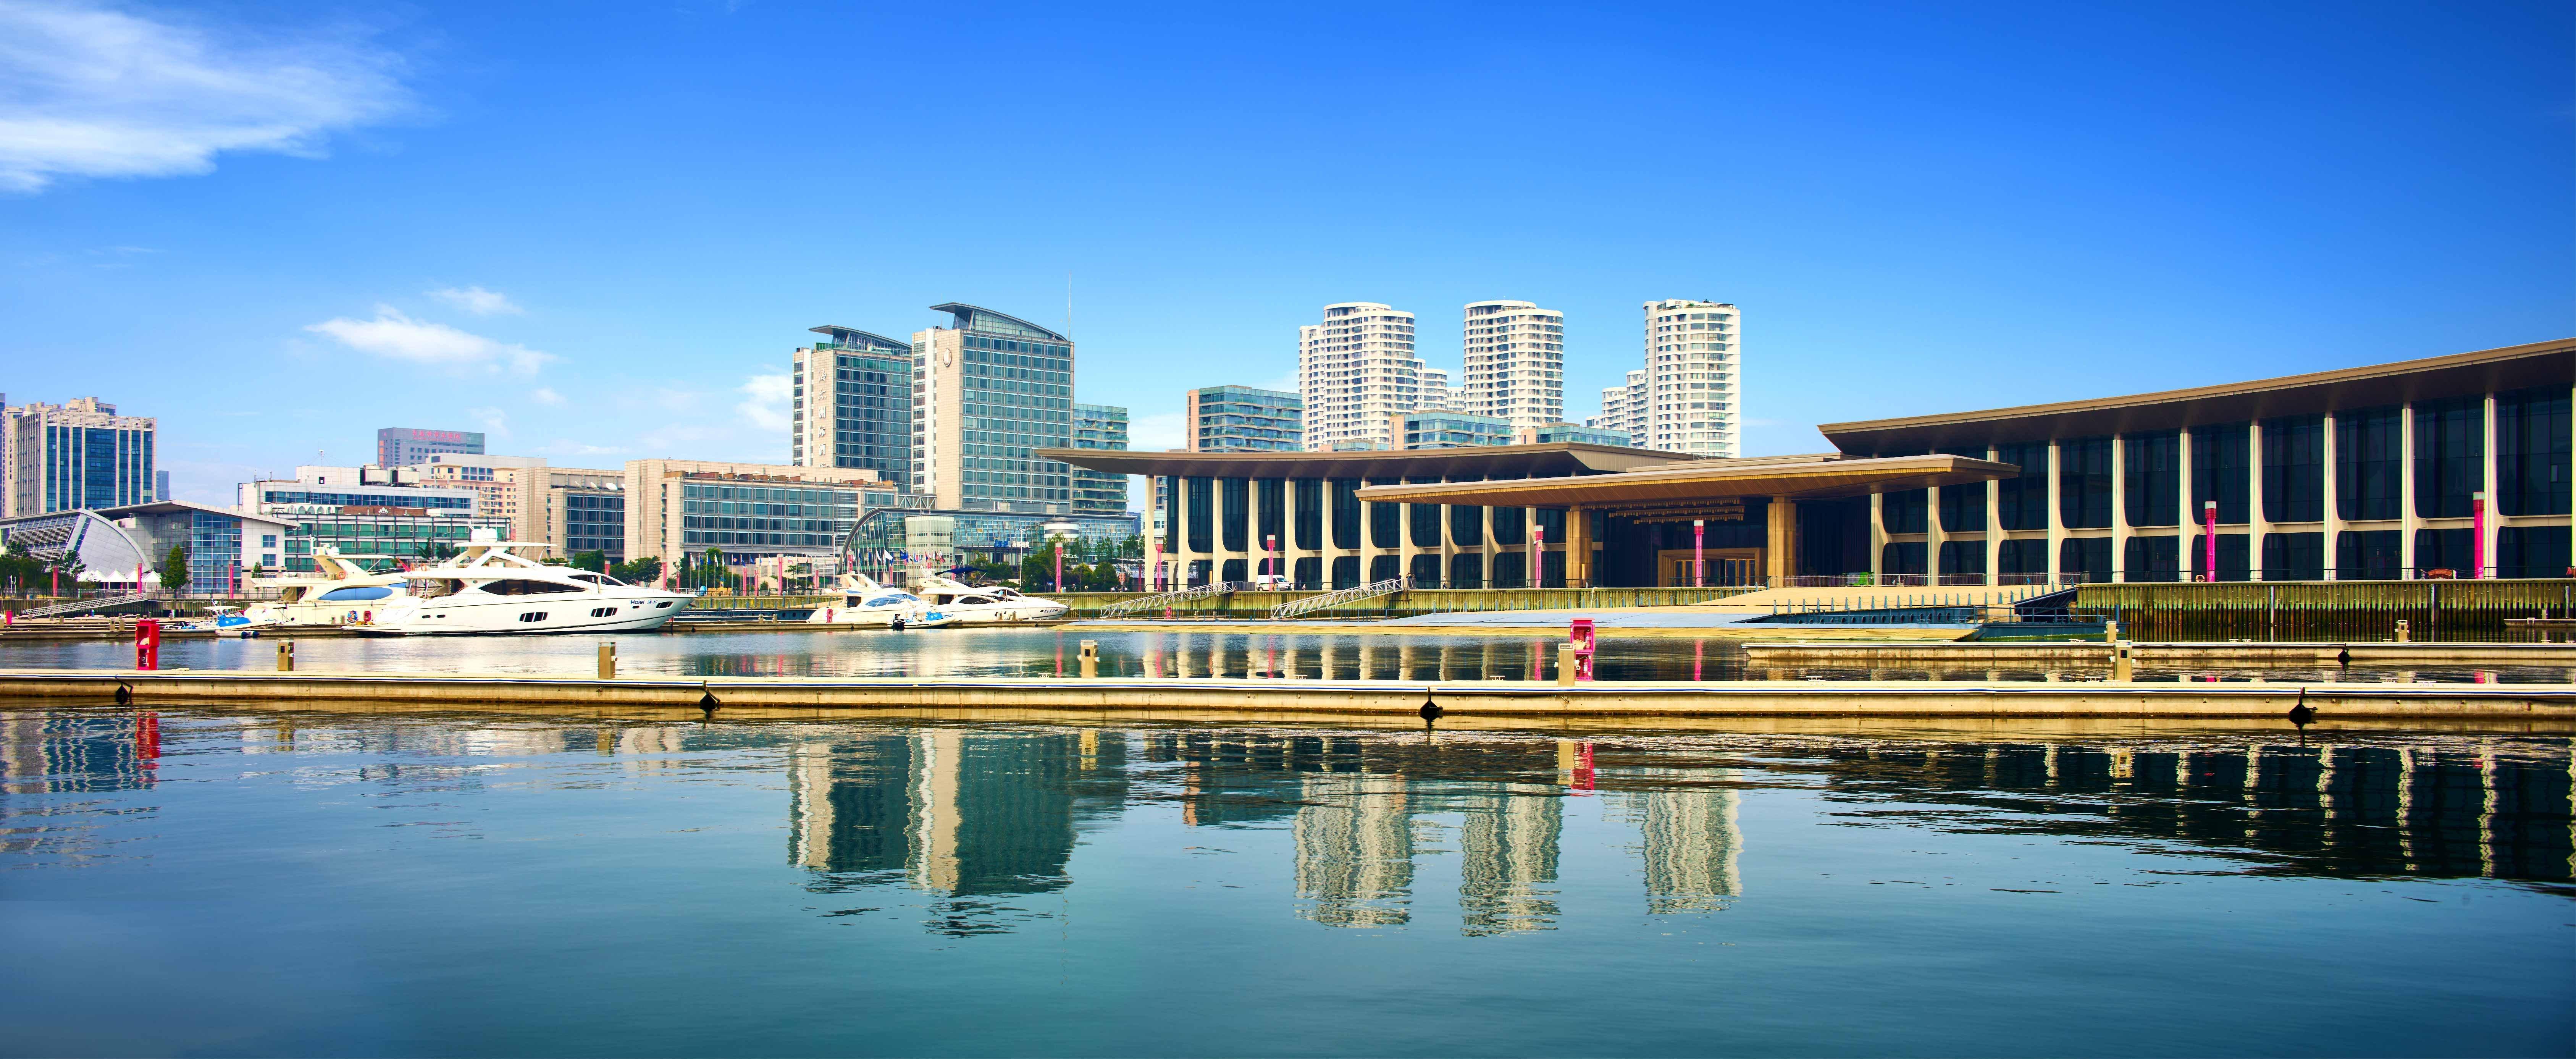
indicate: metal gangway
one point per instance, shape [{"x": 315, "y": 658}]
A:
[
  {"x": 78, "y": 606},
  {"x": 1311, "y": 604},
  {"x": 1165, "y": 599}
]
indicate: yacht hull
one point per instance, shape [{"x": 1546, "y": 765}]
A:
[{"x": 525, "y": 616}]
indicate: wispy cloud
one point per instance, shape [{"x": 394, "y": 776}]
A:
[
  {"x": 478, "y": 301},
  {"x": 493, "y": 421},
  {"x": 765, "y": 401},
  {"x": 396, "y": 336},
  {"x": 547, "y": 395},
  {"x": 100, "y": 91},
  {"x": 1156, "y": 433}
]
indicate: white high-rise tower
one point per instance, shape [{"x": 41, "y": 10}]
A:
[
  {"x": 1623, "y": 408},
  {"x": 1354, "y": 370},
  {"x": 1693, "y": 357},
  {"x": 1515, "y": 362}
]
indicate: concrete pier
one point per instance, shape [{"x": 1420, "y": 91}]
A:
[
  {"x": 1635, "y": 702},
  {"x": 2095, "y": 653}
]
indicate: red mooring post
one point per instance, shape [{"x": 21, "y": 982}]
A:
[
  {"x": 1582, "y": 637},
  {"x": 147, "y": 644}
]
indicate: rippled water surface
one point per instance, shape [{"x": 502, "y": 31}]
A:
[
  {"x": 238, "y": 881},
  {"x": 1053, "y": 651}
]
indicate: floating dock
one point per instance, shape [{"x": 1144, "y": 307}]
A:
[{"x": 2550, "y": 705}]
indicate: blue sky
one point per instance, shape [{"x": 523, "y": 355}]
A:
[{"x": 596, "y": 230}]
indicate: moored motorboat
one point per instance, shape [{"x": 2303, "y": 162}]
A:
[
  {"x": 989, "y": 604},
  {"x": 865, "y": 604},
  {"x": 489, "y": 588}
]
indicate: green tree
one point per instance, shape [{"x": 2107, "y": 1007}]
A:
[
  {"x": 643, "y": 571},
  {"x": 594, "y": 561},
  {"x": 174, "y": 569},
  {"x": 437, "y": 551}
]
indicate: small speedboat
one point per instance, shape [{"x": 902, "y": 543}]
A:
[{"x": 865, "y": 604}]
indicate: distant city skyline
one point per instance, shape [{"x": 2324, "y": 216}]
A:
[{"x": 347, "y": 218}]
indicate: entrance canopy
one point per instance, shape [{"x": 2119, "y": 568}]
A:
[{"x": 1679, "y": 488}]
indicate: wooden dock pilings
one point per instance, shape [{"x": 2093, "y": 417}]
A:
[{"x": 2365, "y": 611}]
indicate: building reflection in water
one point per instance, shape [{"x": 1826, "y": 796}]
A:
[
  {"x": 1687, "y": 836},
  {"x": 961, "y": 815}
]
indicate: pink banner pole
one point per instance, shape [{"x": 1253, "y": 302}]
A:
[
  {"x": 2478, "y": 535},
  {"x": 2209, "y": 538}
]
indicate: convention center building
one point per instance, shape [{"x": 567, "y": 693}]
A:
[{"x": 2454, "y": 466}]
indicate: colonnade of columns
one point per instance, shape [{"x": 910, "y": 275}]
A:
[
  {"x": 1477, "y": 558},
  {"x": 2255, "y": 527}
]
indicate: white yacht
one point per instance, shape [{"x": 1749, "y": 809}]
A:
[
  {"x": 989, "y": 605},
  {"x": 343, "y": 592},
  {"x": 490, "y": 588},
  {"x": 866, "y": 604}
]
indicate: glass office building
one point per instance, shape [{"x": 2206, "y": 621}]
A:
[
  {"x": 76, "y": 455},
  {"x": 1099, "y": 426},
  {"x": 1454, "y": 430},
  {"x": 852, "y": 404},
  {"x": 988, "y": 392},
  {"x": 1245, "y": 419}
]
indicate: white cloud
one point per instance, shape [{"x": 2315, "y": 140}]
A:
[
  {"x": 569, "y": 447},
  {"x": 478, "y": 301},
  {"x": 492, "y": 420},
  {"x": 94, "y": 91},
  {"x": 1156, "y": 433},
  {"x": 396, "y": 336},
  {"x": 765, "y": 401},
  {"x": 547, "y": 395}
]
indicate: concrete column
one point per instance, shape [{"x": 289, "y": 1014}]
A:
[
  {"x": 2408, "y": 522},
  {"x": 2333, "y": 521},
  {"x": 2256, "y": 526},
  {"x": 2185, "y": 523},
  {"x": 1448, "y": 544},
  {"x": 1877, "y": 538},
  {"x": 2056, "y": 518},
  {"x": 1933, "y": 535},
  {"x": 1578, "y": 548},
  {"x": 2493, "y": 461},
  {"x": 1780, "y": 549},
  {"x": 1486, "y": 559},
  {"x": 2119, "y": 508},
  {"x": 1994, "y": 525}
]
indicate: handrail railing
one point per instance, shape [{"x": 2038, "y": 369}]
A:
[
  {"x": 1165, "y": 599},
  {"x": 1328, "y": 600},
  {"x": 76, "y": 606}
]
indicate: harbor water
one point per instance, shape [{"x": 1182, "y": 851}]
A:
[
  {"x": 228, "y": 880},
  {"x": 1037, "y": 652}
]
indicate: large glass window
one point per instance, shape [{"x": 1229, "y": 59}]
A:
[
  {"x": 2532, "y": 454},
  {"x": 1963, "y": 558},
  {"x": 1467, "y": 570},
  {"x": 1310, "y": 513},
  {"x": 1346, "y": 571},
  {"x": 2367, "y": 555},
  {"x": 1270, "y": 514},
  {"x": 2152, "y": 558},
  {"x": 1466, "y": 525},
  {"x": 1346, "y": 518},
  {"x": 1425, "y": 570},
  {"x": 2450, "y": 456},
  {"x": 1236, "y": 494},
  {"x": 1963, "y": 507},
  {"x": 2294, "y": 480},
  {"x": 2151, "y": 473},
  {"x": 2022, "y": 557},
  {"x": 2532, "y": 551},
  {"x": 2084, "y": 483},
  {"x": 2085, "y": 558},
  {"x": 1386, "y": 525},
  {"x": 2219, "y": 467},
  {"x": 1902, "y": 511},
  {"x": 1309, "y": 574},
  {"x": 1199, "y": 503},
  {"x": 2367, "y": 466},
  {"x": 1509, "y": 525},
  {"x": 2445, "y": 549},
  {"x": 2294, "y": 556},
  {"x": 2021, "y": 502},
  {"x": 1901, "y": 558},
  {"x": 2233, "y": 561},
  {"x": 1511, "y": 570}
]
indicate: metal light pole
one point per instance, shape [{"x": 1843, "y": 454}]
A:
[
  {"x": 1699, "y": 553},
  {"x": 2478, "y": 535},
  {"x": 2209, "y": 538},
  {"x": 1538, "y": 557}
]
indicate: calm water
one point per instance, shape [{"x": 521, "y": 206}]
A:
[
  {"x": 1039, "y": 652},
  {"x": 233, "y": 881}
]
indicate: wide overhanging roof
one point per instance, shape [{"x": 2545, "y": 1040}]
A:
[
  {"x": 1706, "y": 483},
  {"x": 1557, "y": 459},
  {"x": 2434, "y": 378}
]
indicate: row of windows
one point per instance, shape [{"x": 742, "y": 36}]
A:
[
  {"x": 2532, "y": 465},
  {"x": 2358, "y": 555}
]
